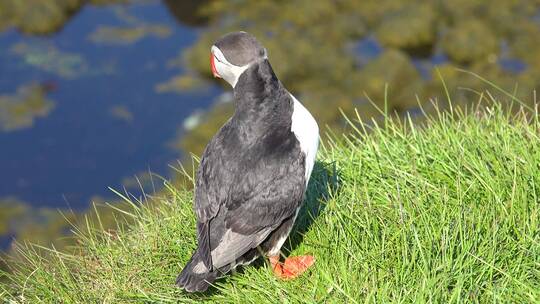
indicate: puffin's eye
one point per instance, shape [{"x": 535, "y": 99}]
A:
[{"x": 217, "y": 58}]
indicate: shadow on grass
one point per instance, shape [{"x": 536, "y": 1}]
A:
[{"x": 324, "y": 182}]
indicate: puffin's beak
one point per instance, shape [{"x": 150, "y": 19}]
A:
[{"x": 212, "y": 64}]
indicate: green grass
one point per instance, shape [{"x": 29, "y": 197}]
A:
[{"x": 445, "y": 212}]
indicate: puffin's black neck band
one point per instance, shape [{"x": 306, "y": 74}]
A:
[
  {"x": 256, "y": 85},
  {"x": 260, "y": 99},
  {"x": 255, "y": 79}
]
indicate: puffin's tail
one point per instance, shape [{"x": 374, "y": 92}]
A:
[{"x": 196, "y": 280}]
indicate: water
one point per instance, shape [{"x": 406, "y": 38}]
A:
[
  {"x": 366, "y": 50},
  {"x": 5, "y": 240},
  {"x": 108, "y": 122}
]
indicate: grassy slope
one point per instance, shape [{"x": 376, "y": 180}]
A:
[{"x": 447, "y": 213}]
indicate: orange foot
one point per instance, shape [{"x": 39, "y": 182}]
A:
[{"x": 292, "y": 267}]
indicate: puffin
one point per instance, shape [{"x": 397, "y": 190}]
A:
[{"x": 253, "y": 174}]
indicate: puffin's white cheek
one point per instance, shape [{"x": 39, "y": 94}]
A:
[{"x": 225, "y": 72}]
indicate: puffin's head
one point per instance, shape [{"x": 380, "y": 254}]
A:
[{"x": 233, "y": 53}]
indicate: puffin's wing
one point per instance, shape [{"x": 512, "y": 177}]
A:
[
  {"x": 228, "y": 245},
  {"x": 211, "y": 188},
  {"x": 262, "y": 197},
  {"x": 266, "y": 195},
  {"x": 242, "y": 195},
  {"x": 214, "y": 176}
]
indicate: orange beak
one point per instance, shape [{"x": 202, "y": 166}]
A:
[{"x": 213, "y": 65}]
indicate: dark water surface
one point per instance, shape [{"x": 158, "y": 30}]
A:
[{"x": 108, "y": 121}]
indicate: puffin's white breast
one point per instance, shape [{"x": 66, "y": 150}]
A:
[{"x": 306, "y": 130}]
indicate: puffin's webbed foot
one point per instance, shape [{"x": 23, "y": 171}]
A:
[{"x": 292, "y": 267}]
